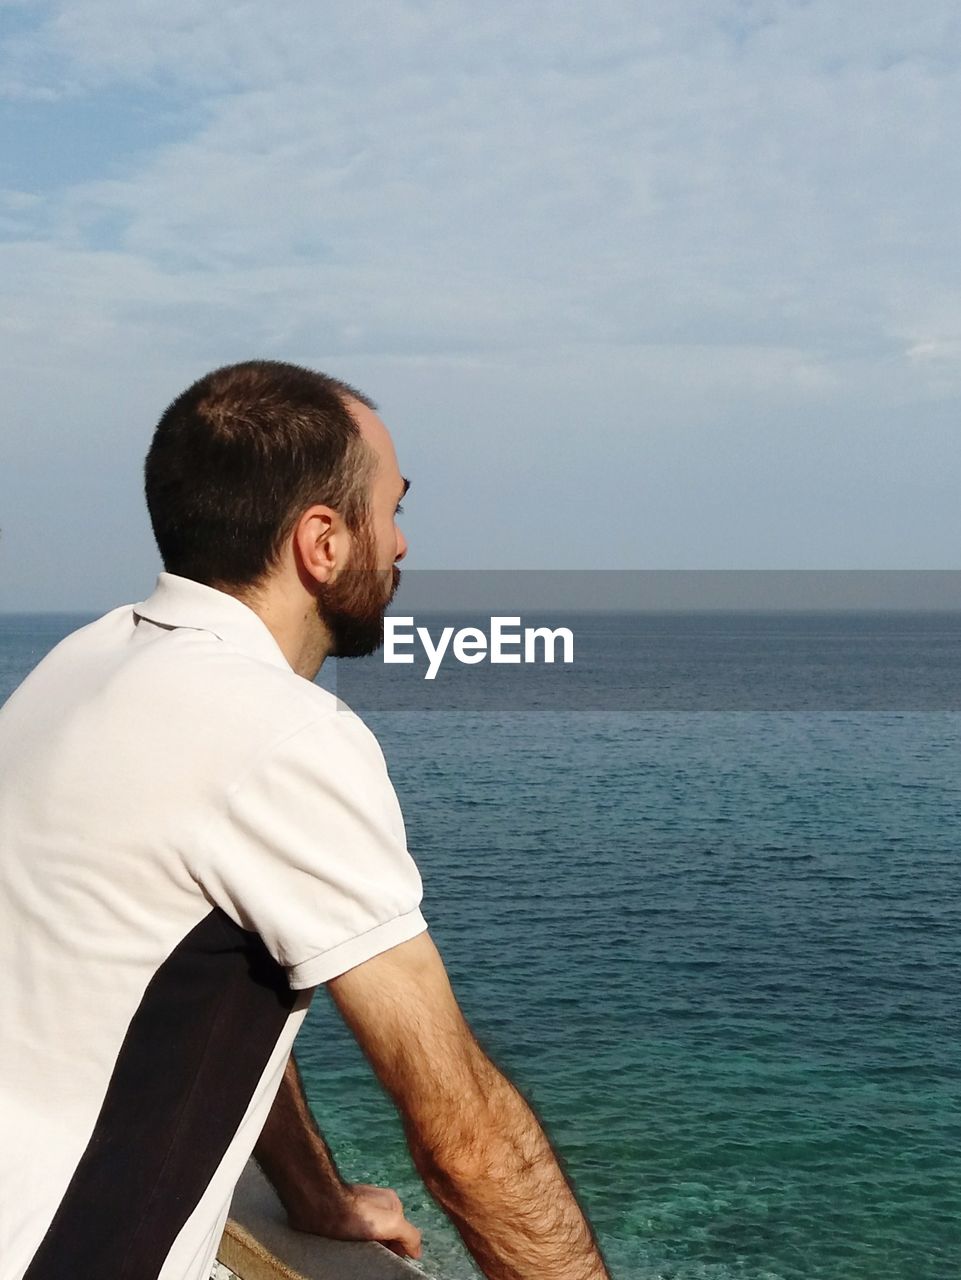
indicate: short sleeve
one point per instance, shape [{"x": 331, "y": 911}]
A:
[{"x": 309, "y": 850}]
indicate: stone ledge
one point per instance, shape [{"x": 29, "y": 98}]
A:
[{"x": 258, "y": 1245}]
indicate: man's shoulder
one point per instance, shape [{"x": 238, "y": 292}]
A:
[
  {"x": 208, "y": 676},
  {"x": 213, "y": 696},
  {"x": 186, "y": 676},
  {"x": 231, "y": 693}
]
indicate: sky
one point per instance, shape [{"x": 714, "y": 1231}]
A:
[{"x": 636, "y": 285}]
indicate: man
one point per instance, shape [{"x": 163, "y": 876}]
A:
[{"x": 193, "y": 836}]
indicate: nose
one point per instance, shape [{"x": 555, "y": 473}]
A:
[{"x": 401, "y": 546}]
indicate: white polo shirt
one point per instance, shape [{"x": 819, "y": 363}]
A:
[{"x": 192, "y": 837}]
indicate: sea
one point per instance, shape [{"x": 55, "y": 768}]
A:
[{"x": 704, "y": 907}]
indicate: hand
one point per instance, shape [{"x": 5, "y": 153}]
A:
[{"x": 363, "y": 1213}]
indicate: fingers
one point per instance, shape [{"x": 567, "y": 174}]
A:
[
  {"x": 408, "y": 1240},
  {"x": 386, "y": 1222}
]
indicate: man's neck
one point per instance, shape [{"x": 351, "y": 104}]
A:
[{"x": 291, "y": 618}]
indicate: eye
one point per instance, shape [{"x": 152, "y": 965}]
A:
[{"x": 399, "y": 509}]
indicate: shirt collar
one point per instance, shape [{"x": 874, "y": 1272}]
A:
[{"x": 181, "y": 602}]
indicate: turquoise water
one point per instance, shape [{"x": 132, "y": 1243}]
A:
[{"x": 720, "y": 952}]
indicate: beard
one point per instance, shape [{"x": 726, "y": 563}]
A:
[{"x": 353, "y": 607}]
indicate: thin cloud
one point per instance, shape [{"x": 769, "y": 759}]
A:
[{"x": 735, "y": 214}]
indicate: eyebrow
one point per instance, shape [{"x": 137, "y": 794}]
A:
[{"x": 403, "y": 492}]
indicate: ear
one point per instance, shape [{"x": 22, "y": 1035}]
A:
[{"x": 321, "y": 543}]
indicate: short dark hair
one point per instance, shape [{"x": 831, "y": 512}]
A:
[{"x": 239, "y": 456}]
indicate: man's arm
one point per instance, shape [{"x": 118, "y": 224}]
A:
[
  {"x": 474, "y": 1140},
  {"x": 299, "y": 1164}
]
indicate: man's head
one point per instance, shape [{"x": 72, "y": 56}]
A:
[{"x": 264, "y": 471}]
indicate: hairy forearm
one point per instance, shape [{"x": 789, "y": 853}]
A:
[
  {"x": 295, "y": 1157},
  {"x": 492, "y": 1169}
]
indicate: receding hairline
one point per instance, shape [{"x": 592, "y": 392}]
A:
[{"x": 232, "y": 381}]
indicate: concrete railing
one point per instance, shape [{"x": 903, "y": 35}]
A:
[{"x": 258, "y": 1245}]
